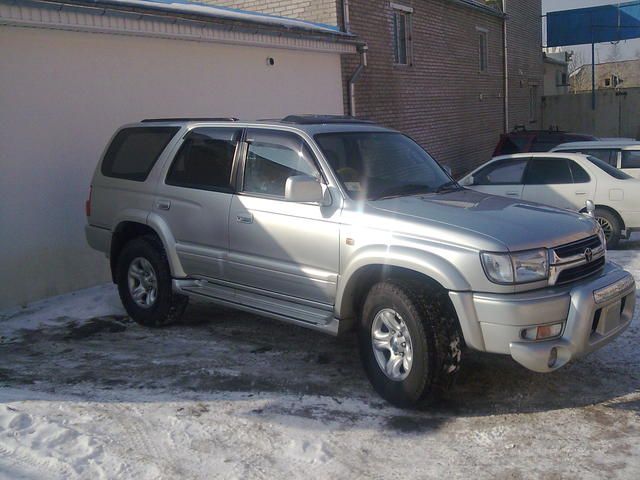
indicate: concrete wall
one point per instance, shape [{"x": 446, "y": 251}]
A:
[
  {"x": 319, "y": 11},
  {"x": 615, "y": 115},
  {"x": 62, "y": 95},
  {"x": 442, "y": 99}
]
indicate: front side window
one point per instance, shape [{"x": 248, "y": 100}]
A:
[
  {"x": 631, "y": 159},
  {"x": 401, "y": 37},
  {"x": 483, "y": 52},
  {"x": 502, "y": 172},
  {"x": 375, "y": 165},
  {"x": 548, "y": 171},
  {"x": 272, "y": 158},
  {"x": 205, "y": 159},
  {"x": 133, "y": 152}
]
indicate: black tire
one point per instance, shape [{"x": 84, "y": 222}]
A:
[
  {"x": 168, "y": 306},
  {"x": 605, "y": 217},
  {"x": 435, "y": 336}
]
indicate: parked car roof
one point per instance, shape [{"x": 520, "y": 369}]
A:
[{"x": 632, "y": 144}]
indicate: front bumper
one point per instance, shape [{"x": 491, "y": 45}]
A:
[{"x": 495, "y": 322}]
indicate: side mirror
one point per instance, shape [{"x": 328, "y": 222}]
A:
[
  {"x": 590, "y": 207},
  {"x": 467, "y": 182},
  {"x": 304, "y": 189}
]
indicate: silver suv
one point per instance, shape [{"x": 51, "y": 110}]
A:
[{"x": 336, "y": 224}]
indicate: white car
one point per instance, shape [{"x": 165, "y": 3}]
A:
[
  {"x": 620, "y": 153},
  {"x": 565, "y": 180}
]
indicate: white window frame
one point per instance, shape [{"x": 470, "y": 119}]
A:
[
  {"x": 483, "y": 56},
  {"x": 406, "y": 12}
]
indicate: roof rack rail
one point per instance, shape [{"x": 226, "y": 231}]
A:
[
  {"x": 322, "y": 119},
  {"x": 189, "y": 119}
]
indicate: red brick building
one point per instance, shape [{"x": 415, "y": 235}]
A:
[{"x": 436, "y": 68}]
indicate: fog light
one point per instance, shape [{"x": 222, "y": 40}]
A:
[
  {"x": 553, "y": 357},
  {"x": 541, "y": 333}
]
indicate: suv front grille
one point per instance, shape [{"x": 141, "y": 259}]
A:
[
  {"x": 576, "y": 260},
  {"x": 583, "y": 271},
  {"x": 577, "y": 248}
]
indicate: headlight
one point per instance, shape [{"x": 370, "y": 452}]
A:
[{"x": 519, "y": 267}]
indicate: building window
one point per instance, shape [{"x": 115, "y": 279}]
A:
[
  {"x": 483, "y": 49},
  {"x": 533, "y": 103},
  {"x": 401, "y": 34}
]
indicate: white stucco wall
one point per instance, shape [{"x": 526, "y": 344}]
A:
[{"x": 62, "y": 95}]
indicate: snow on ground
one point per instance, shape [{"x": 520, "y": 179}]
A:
[{"x": 86, "y": 393}]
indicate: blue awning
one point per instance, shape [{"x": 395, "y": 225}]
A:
[{"x": 606, "y": 23}]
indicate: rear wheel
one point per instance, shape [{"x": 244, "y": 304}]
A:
[
  {"x": 144, "y": 283},
  {"x": 610, "y": 226},
  {"x": 409, "y": 342}
]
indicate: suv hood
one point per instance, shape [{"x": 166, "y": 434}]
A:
[{"x": 516, "y": 224}]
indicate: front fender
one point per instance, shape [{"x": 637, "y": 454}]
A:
[{"x": 426, "y": 263}]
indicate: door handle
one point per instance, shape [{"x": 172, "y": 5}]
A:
[
  {"x": 513, "y": 194},
  {"x": 581, "y": 193},
  {"x": 245, "y": 218},
  {"x": 163, "y": 204}
]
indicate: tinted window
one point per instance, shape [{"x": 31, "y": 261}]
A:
[
  {"x": 134, "y": 151},
  {"x": 548, "y": 171},
  {"x": 613, "y": 171},
  {"x": 578, "y": 173},
  {"x": 374, "y": 165},
  {"x": 514, "y": 144},
  {"x": 502, "y": 172},
  {"x": 272, "y": 158},
  {"x": 604, "y": 154},
  {"x": 631, "y": 159},
  {"x": 205, "y": 159}
]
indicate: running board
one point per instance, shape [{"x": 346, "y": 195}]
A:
[{"x": 304, "y": 315}]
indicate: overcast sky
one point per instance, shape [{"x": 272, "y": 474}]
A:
[{"x": 605, "y": 52}]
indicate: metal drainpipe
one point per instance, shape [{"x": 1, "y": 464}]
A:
[
  {"x": 345, "y": 16},
  {"x": 506, "y": 67},
  {"x": 354, "y": 78}
]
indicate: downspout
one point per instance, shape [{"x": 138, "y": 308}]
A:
[
  {"x": 362, "y": 50},
  {"x": 345, "y": 16},
  {"x": 506, "y": 66}
]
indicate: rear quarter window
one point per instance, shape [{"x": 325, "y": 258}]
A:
[{"x": 133, "y": 152}]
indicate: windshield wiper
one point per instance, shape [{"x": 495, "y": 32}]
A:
[
  {"x": 400, "y": 190},
  {"x": 448, "y": 187}
]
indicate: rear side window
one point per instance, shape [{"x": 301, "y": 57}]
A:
[
  {"x": 205, "y": 159},
  {"x": 548, "y": 171},
  {"x": 631, "y": 159},
  {"x": 502, "y": 172},
  {"x": 604, "y": 154},
  {"x": 133, "y": 152},
  {"x": 613, "y": 171},
  {"x": 579, "y": 174}
]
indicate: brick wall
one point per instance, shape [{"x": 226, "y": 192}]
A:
[
  {"x": 319, "y": 11},
  {"x": 526, "y": 68},
  {"x": 442, "y": 100}
]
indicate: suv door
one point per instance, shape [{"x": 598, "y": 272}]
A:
[
  {"x": 502, "y": 177},
  {"x": 559, "y": 182},
  {"x": 195, "y": 197},
  {"x": 286, "y": 250}
]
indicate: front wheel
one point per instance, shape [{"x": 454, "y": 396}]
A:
[
  {"x": 410, "y": 345},
  {"x": 610, "y": 226},
  {"x": 144, "y": 283}
]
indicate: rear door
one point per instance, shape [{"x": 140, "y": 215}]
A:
[
  {"x": 502, "y": 177},
  {"x": 195, "y": 196},
  {"x": 559, "y": 182}
]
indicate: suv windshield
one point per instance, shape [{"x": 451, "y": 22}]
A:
[
  {"x": 376, "y": 165},
  {"x": 613, "y": 171}
]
